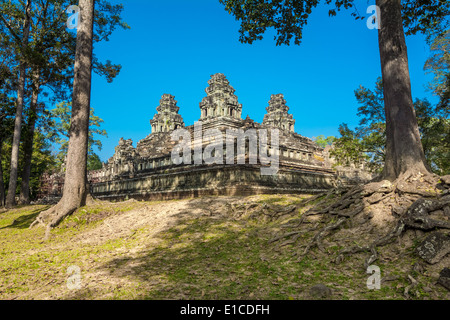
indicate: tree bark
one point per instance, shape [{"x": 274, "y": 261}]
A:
[
  {"x": 76, "y": 166},
  {"x": 24, "y": 197},
  {"x": 404, "y": 151},
  {"x": 75, "y": 183},
  {"x": 11, "y": 197}
]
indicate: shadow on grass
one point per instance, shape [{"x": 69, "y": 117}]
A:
[
  {"x": 202, "y": 258},
  {"x": 24, "y": 222},
  {"x": 216, "y": 257}
]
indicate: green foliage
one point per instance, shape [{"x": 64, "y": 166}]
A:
[
  {"x": 323, "y": 142},
  {"x": 62, "y": 112},
  {"x": 42, "y": 161},
  {"x": 107, "y": 70},
  {"x": 439, "y": 65},
  {"x": 48, "y": 55},
  {"x": 439, "y": 62},
  {"x": 434, "y": 129},
  {"x": 51, "y": 47},
  {"x": 349, "y": 148},
  {"x": 429, "y": 17},
  {"x": 107, "y": 18},
  {"x": 289, "y": 17},
  {"x": 6, "y": 116},
  {"x": 372, "y": 125},
  {"x": 369, "y": 138},
  {"x": 94, "y": 162}
]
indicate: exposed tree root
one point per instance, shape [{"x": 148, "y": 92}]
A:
[
  {"x": 416, "y": 217},
  {"x": 412, "y": 199},
  {"x": 319, "y": 235},
  {"x": 372, "y": 248},
  {"x": 65, "y": 207},
  {"x": 413, "y": 284},
  {"x": 53, "y": 216}
]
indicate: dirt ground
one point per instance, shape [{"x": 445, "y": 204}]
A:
[{"x": 205, "y": 248}]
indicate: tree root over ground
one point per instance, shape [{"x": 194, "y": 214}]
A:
[
  {"x": 412, "y": 202},
  {"x": 53, "y": 216}
]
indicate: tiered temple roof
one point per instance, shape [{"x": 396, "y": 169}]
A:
[
  {"x": 277, "y": 114},
  {"x": 220, "y": 100},
  {"x": 148, "y": 171},
  {"x": 167, "y": 119}
]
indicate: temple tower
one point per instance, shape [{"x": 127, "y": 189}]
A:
[
  {"x": 167, "y": 119},
  {"x": 220, "y": 100},
  {"x": 277, "y": 114}
]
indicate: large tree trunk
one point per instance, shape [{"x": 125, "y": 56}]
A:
[
  {"x": 404, "y": 151},
  {"x": 24, "y": 197},
  {"x": 75, "y": 183},
  {"x": 74, "y": 192},
  {"x": 11, "y": 197},
  {"x": 2, "y": 185}
]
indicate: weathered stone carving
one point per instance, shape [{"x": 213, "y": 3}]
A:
[
  {"x": 435, "y": 247},
  {"x": 220, "y": 100},
  {"x": 167, "y": 119},
  {"x": 277, "y": 114},
  {"x": 123, "y": 159},
  {"x": 147, "y": 171}
]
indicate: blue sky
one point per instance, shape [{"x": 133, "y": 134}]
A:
[{"x": 174, "y": 46}]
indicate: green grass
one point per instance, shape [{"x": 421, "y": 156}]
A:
[{"x": 195, "y": 258}]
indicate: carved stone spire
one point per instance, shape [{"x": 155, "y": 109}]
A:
[
  {"x": 167, "y": 119},
  {"x": 220, "y": 100},
  {"x": 277, "y": 114}
]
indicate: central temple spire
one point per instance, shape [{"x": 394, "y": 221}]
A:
[
  {"x": 277, "y": 114},
  {"x": 220, "y": 100},
  {"x": 167, "y": 119}
]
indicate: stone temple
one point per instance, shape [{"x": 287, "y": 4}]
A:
[{"x": 148, "y": 172}]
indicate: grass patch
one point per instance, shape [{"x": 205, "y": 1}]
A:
[{"x": 197, "y": 257}]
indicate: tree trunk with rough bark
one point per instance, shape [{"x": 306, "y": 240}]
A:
[
  {"x": 11, "y": 197},
  {"x": 404, "y": 151},
  {"x": 75, "y": 183},
  {"x": 24, "y": 197}
]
